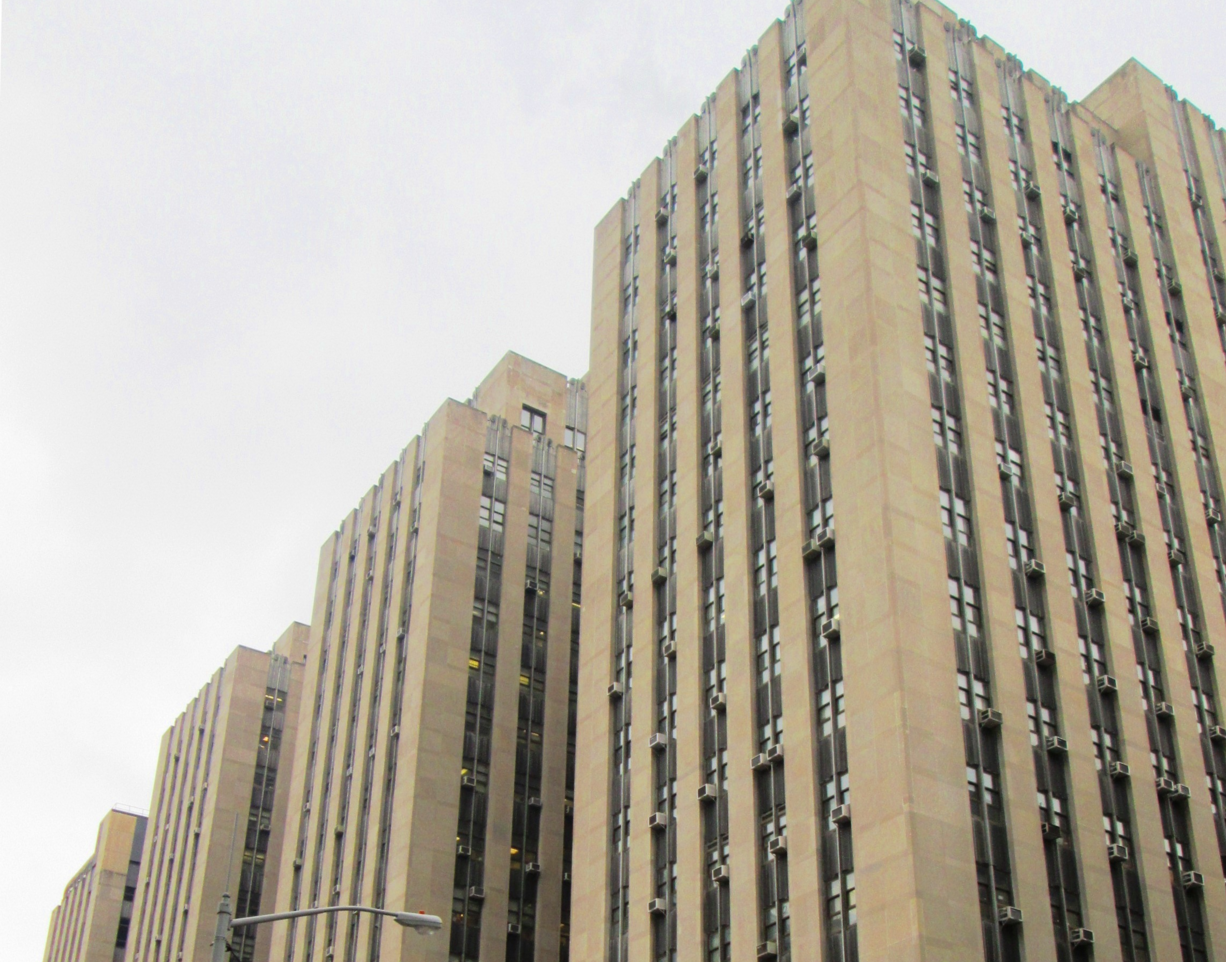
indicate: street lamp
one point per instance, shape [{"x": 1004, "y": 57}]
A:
[{"x": 420, "y": 922}]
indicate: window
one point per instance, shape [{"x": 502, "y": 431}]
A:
[
  {"x": 532, "y": 419},
  {"x": 574, "y": 438}
]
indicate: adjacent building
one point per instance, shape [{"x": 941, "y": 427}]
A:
[
  {"x": 904, "y": 539},
  {"x": 217, "y": 813},
  {"x": 91, "y": 923},
  {"x": 434, "y": 770}
]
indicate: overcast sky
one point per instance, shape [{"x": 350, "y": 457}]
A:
[{"x": 246, "y": 249}]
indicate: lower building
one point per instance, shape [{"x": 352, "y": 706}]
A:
[
  {"x": 216, "y": 813},
  {"x": 91, "y": 923},
  {"x": 434, "y": 769}
]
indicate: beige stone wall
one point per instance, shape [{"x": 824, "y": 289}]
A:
[
  {"x": 85, "y": 924},
  {"x": 432, "y": 519},
  {"x": 915, "y": 871},
  {"x": 201, "y": 803}
]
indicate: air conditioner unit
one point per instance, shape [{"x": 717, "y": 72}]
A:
[
  {"x": 468, "y": 781},
  {"x": 1217, "y": 733},
  {"x": 1192, "y": 880},
  {"x": 719, "y": 701},
  {"x": 1044, "y": 657},
  {"x": 1056, "y": 745},
  {"x": 1136, "y": 536},
  {"x": 778, "y": 845},
  {"x": 830, "y": 628},
  {"x": 659, "y": 576},
  {"x": 1117, "y": 852},
  {"x": 657, "y": 821},
  {"x": 810, "y": 551},
  {"x": 626, "y": 599},
  {"x": 795, "y": 189},
  {"x": 749, "y": 298},
  {"x": 707, "y": 793},
  {"x": 463, "y": 850},
  {"x": 1175, "y": 556},
  {"x": 1128, "y": 255},
  {"x": 669, "y": 649},
  {"x": 747, "y": 236},
  {"x": 791, "y": 123},
  {"x": 1182, "y": 792},
  {"x": 662, "y": 213},
  {"x": 1219, "y": 313},
  {"x": 719, "y": 873},
  {"x": 841, "y": 814},
  {"x": 759, "y": 762},
  {"x": 658, "y": 742},
  {"x": 767, "y": 950},
  {"x": 476, "y": 892},
  {"x": 1149, "y": 625},
  {"x": 533, "y": 868},
  {"x": 1186, "y": 387},
  {"x": 821, "y": 448},
  {"x": 1202, "y": 649},
  {"x": 1123, "y": 468},
  {"x": 1067, "y": 499},
  {"x": 1005, "y": 469},
  {"x": 1031, "y": 189},
  {"x": 774, "y": 754},
  {"x": 657, "y": 907},
  {"x": 930, "y": 177},
  {"x": 825, "y": 537},
  {"x": 1213, "y": 515},
  {"x": 1165, "y": 786},
  {"x": 809, "y": 240},
  {"x": 1118, "y": 770},
  {"x": 1009, "y": 915},
  {"x": 513, "y": 928},
  {"x": 916, "y": 55},
  {"x": 990, "y": 718},
  {"x": 616, "y": 689},
  {"x": 1139, "y": 360},
  {"x": 1219, "y": 274},
  {"x": 1080, "y": 937},
  {"x": 1071, "y": 214},
  {"x": 701, "y": 173},
  {"x": 1174, "y": 287},
  {"x": 766, "y": 490},
  {"x": 1164, "y": 709},
  {"x": 670, "y": 256},
  {"x": 535, "y": 801},
  {"x": 1095, "y": 598},
  {"x": 1081, "y": 269},
  {"x": 1050, "y": 831},
  {"x": 818, "y": 374},
  {"x": 1034, "y": 569},
  {"x": 987, "y": 214},
  {"x": 1197, "y": 198},
  {"x": 705, "y": 540},
  {"x": 1107, "y": 684},
  {"x": 712, "y": 270}
]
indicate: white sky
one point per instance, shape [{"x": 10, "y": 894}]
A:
[{"x": 247, "y": 249}]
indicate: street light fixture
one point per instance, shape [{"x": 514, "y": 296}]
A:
[{"x": 418, "y": 921}]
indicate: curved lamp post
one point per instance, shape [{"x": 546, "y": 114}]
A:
[{"x": 423, "y": 924}]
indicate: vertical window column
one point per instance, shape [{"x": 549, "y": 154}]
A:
[{"x": 999, "y": 916}]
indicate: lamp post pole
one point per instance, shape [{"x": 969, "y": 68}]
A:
[{"x": 419, "y": 921}]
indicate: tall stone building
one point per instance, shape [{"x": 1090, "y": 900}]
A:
[
  {"x": 908, "y": 569},
  {"x": 92, "y": 921},
  {"x": 434, "y": 771},
  {"x": 217, "y": 813}
]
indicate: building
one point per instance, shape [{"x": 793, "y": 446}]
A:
[
  {"x": 91, "y": 922},
  {"x": 999, "y": 707},
  {"x": 217, "y": 815},
  {"x": 434, "y": 771}
]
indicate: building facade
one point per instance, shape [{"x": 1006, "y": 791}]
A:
[
  {"x": 886, "y": 268},
  {"x": 217, "y": 812},
  {"x": 435, "y": 768},
  {"x": 92, "y": 921}
]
